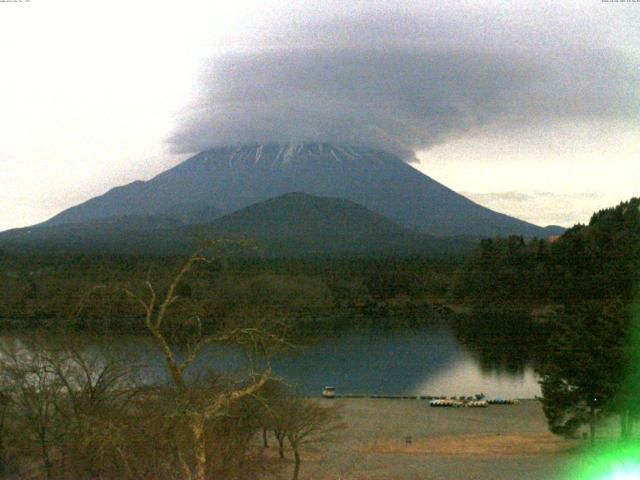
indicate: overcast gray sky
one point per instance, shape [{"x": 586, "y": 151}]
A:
[{"x": 530, "y": 108}]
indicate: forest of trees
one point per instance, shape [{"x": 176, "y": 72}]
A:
[
  {"x": 46, "y": 291},
  {"x": 598, "y": 261},
  {"x": 590, "y": 276}
]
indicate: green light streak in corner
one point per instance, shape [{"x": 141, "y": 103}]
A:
[{"x": 616, "y": 459}]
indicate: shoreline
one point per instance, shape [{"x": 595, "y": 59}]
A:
[
  {"x": 500, "y": 442},
  {"x": 414, "y": 397}
]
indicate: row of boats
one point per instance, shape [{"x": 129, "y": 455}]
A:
[
  {"x": 449, "y": 402},
  {"x": 478, "y": 400}
]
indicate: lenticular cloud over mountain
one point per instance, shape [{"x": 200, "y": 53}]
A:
[{"x": 405, "y": 78}]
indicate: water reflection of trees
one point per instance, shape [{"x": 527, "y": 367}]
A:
[{"x": 505, "y": 343}]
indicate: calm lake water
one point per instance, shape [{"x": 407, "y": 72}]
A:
[{"x": 424, "y": 361}]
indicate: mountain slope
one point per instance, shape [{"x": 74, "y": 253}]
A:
[
  {"x": 298, "y": 224},
  {"x": 292, "y": 225},
  {"x": 300, "y": 215},
  {"x": 228, "y": 179}
]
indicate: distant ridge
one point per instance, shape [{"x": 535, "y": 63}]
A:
[
  {"x": 224, "y": 180},
  {"x": 291, "y": 225}
]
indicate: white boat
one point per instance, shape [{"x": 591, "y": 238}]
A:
[
  {"x": 444, "y": 402},
  {"x": 329, "y": 392},
  {"x": 477, "y": 403}
]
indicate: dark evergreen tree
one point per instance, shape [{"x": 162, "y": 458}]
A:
[
  {"x": 585, "y": 367},
  {"x": 627, "y": 400}
]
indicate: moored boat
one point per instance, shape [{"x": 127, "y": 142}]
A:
[{"x": 329, "y": 392}]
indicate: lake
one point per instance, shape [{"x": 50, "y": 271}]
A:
[
  {"x": 429, "y": 360},
  {"x": 424, "y": 361}
]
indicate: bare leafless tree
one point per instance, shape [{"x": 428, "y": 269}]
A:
[
  {"x": 198, "y": 410},
  {"x": 5, "y": 405},
  {"x": 98, "y": 389},
  {"x": 60, "y": 398},
  {"x": 308, "y": 422},
  {"x": 301, "y": 421},
  {"x": 35, "y": 392}
]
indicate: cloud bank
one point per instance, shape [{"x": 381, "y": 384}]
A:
[
  {"x": 404, "y": 78},
  {"x": 543, "y": 208}
]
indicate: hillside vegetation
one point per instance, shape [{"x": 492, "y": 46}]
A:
[
  {"x": 48, "y": 290},
  {"x": 598, "y": 261}
]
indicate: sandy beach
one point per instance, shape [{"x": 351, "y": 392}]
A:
[{"x": 494, "y": 443}]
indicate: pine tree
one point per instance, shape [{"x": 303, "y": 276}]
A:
[{"x": 585, "y": 367}]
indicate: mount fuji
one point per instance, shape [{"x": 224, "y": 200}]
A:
[{"x": 220, "y": 181}]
